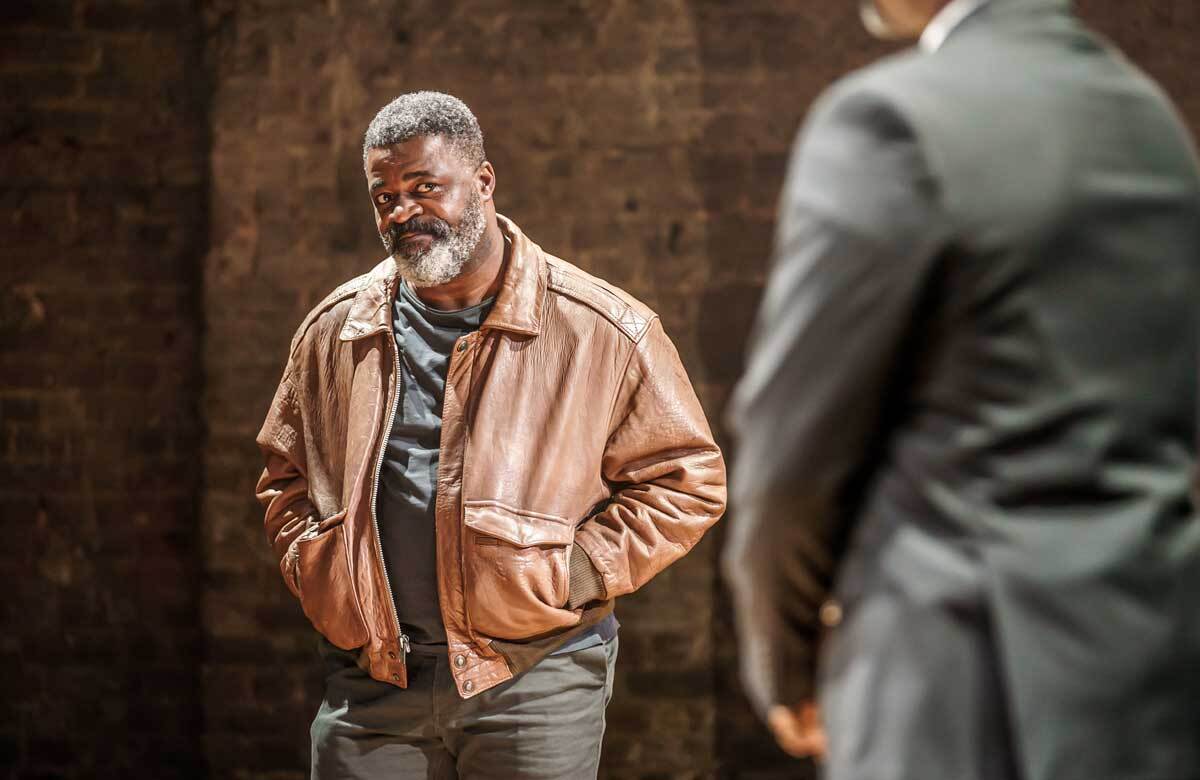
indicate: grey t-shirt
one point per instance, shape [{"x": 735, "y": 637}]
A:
[{"x": 425, "y": 338}]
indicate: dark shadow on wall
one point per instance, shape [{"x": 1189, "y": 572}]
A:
[{"x": 103, "y": 174}]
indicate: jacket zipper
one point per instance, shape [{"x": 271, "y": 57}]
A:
[{"x": 404, "y": 642}]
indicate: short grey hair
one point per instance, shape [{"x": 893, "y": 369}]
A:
[{"x": 416, "y": 114}]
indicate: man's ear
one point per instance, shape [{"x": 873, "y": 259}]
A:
[{"x": 485, "y": 175}]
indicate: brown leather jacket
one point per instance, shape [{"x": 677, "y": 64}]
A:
[{"x": 568, "y": 420}]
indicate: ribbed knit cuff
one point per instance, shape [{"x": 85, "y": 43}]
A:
[{"x": 586, "y": 584}]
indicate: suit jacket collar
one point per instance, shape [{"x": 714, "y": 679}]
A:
[
  {"x": 946, "y": 21},
  {"x": 962, "y": 15}
]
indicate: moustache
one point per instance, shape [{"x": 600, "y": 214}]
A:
[{"x": 414, "y": 225}]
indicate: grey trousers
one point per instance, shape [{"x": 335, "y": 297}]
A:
[{"x": 547, "y": 723}]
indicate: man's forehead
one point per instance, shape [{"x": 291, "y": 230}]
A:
[{"x": 420, "y": 152}]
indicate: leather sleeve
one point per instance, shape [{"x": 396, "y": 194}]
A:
[
  {"x": 857, "y": 230},
  {"x": 283, "y": 487},
  {"x": 667, "y": 473}
]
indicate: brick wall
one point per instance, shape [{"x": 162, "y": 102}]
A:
[
  {"x": 644, "y": 141},
  {"x": 103, "y": 186}
]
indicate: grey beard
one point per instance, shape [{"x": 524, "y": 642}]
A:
[{"x": 445, "y": 258}]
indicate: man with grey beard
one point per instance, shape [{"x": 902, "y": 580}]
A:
[{"x": 475, "y": 448}]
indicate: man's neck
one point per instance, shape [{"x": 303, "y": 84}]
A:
[{"x": 481, "y": 280}]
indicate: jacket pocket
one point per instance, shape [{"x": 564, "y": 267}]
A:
[
  {"x": 516, "y": 571},
  {"x": 327, "y": 592}
]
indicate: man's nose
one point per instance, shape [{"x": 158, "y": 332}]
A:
[{"x": 402, "y": 210}]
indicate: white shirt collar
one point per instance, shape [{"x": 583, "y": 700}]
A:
[{"x": 950, "y": 17}]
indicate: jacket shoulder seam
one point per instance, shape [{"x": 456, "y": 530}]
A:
[{"x": 632, "y": 323}]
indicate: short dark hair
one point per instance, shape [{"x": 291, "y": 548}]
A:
[{"x": 416, "y": 114}]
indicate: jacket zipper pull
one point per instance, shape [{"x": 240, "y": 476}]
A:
[{"x": 404, "y": 643}]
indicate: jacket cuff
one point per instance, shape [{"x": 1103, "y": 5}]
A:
[{"x": 585, "y": 581}]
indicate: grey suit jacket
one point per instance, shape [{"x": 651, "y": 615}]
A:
[{"x": 981, "y": 322}]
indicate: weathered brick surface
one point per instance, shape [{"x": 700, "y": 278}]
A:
[
  {"x": 103, "y": 186},
  {"x": 645, "y": 141},
  {"x": 642, "y": 141}
]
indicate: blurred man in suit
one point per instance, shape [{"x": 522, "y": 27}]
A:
[{"x": 966, "y": 428}]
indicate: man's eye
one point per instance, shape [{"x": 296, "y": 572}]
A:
[
  {"x": 383, "y": 198},
  {"x": 426, "y": 186}
]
